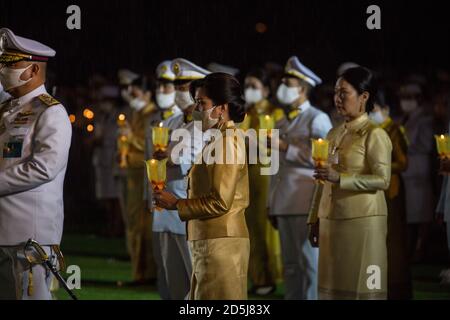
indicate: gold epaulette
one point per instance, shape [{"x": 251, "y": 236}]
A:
[
  {"x": 403, "y": 131},
  {"x": 278, "y": 114},
  {"x": 48, "y": 100}
]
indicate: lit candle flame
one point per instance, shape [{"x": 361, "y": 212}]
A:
[
  {"x": 160, "y": 124},
  {"x": 121, "y": 117}
]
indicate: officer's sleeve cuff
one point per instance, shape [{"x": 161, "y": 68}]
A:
[{"x": 347, "y": 181}]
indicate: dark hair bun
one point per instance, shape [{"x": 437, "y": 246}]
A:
[
  {"x": 223, "y": 88},
  {"x": 363, "y": 80}
]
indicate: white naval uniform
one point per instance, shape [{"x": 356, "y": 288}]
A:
[
  {"x": 291, "y": 194},
  {"x": 35, "y": 138},
  {"x": 417, "y": 177},
  {"x": 169, "y": 232}
]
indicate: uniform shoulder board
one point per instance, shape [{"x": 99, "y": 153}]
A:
[{"x": 48, "y": 100}]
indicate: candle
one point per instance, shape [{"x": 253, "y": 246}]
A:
[
  {"x": 443, "y": 145},
  {"x": 121, "y": 120},
  {"x": 160, "y": 137},
  {"x": 320, "y": 150},
  {"x": 156, "y": 173},
  {"x": 123, "y": 146},
  {"x": 266, "y": 122}
]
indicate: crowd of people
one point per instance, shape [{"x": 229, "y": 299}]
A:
[
  {"x": 345, "y": 227},
  {"x": 279, "y": 215}
]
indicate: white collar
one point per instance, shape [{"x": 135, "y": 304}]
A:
[
  {"x": 30, "y": 95},
  {"x": 304, "y": 106}
]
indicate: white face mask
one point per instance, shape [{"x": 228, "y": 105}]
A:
[
  {"x": 377, "y": 117},
  {"x": 10, "y": 78},
  {"x": 207, "y": 121},
  {"x": 137, "y": 104},
  {"x": 408, "y": 105},
  {"x": 165, "y": 100},
  {"x": 287, "y": 95},
  {"x": 253, "y": 95},
  {"x": 183, "y": 99}
]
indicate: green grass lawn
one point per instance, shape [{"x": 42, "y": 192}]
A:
[{"x": 104, "y": 263}]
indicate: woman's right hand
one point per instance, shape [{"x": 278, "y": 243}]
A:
[{"x": 314, "y": 234}]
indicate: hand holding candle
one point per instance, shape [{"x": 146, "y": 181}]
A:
[
  {"x": 160, "y": 137},
  {"x": 320, "y": 152},
  {"x": 156, "y": 173},
  {"x": 443, "y": 145}
]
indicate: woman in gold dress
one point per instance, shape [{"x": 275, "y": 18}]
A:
[
  {"x": 265, "y": 253},
  {"x": 350, "y": 206},
  {"x": 218, "y": 195}
]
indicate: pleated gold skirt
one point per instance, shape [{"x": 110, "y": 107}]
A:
[{"x": 353, "y": 259}]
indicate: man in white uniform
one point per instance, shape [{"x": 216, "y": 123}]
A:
[
  {"x": 293, "y": 186},
  {"x": 35, "y": 137}
]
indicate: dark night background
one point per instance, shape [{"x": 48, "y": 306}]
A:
[{"x": 140, "y": 34}]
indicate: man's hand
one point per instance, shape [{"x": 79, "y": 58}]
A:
[
  {"x": 314, "y": 234},
  {"x": 164, "y": 199}
]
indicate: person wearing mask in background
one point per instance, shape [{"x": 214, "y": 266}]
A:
[
  {"x": 443, "y": 207},
  {"x": 139, "y": 222},
  {"x": 167, "y": 107},
  {"x": 218, "y": 195},
  {"x": 293, "y": 186},
  {"x": 348, "y": 214},
  {"x": 263, "y": 264},
  {"x": 399, "y": 273},
  {"x": 169, "y": 232},
  {"x": 35, "y": 135},
  {"x": 125, "y": 77},
  {"x": 103, "y": 159},
  {"x": 418, "y": 181}
]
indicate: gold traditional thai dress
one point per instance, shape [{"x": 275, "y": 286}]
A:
[
  {"x": 399, "y": 274},
  {"x": 353, "y": 213},
  {"x": 138, "y": 221},
  {"x": 265, "y": 266},
  {"x": 218, "y": 195}
]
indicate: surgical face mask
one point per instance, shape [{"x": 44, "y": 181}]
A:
[
  {"x": 137, "y": 104},
  {"x": 207, "y": 121},
  {"x": 377, "y": 117},
  {"x": 253, "y": 95},
  {"x": 165, "y": 100},
  {"x": 408, "y": 105},
  {"x": 183, "y": 99},
  {"x": 287, "y": 95},
  {"x": 10, "y": 78}
]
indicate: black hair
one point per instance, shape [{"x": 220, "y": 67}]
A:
[
  {"x": 222, "y": 88},
  {"x": 261, "y": 75},
  {"x": 363, "y": 80}
]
